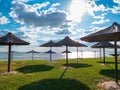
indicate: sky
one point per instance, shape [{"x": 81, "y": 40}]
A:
[{"x": 39, "y": 21}]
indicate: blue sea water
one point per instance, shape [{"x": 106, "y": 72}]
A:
[
  {"x": 28, "y": 56},
  {"x": 45, "y": 56}
]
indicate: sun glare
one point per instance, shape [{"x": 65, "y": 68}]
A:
[{"x": 77, "y": 9}]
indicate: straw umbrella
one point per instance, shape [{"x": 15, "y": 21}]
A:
[
  {"x": 103, "y": 45},
  {"x": 100, "y": 53},
  {"x": 66, "y": 42},
  {"x": 10, "y": 39},
  {"x": 49, "y": 44},
  {"x": 32, "y": 52},
  {"x": 50, "y": 52},
  {"x": 66, "y": 51},
  {"x": 79, "y": 45},
  {"x": 95, "y": 54},
  {"x": 111, "y": 33}
]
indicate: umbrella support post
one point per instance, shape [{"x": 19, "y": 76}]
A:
[
  {"x": 77, "y": 55},
  {"x": 50, "y": 57},
  {"x": 66, "y": 56},
  {"x": 104, "y": 55},
  {"x": 32, "y": 55},
  {"x": 100, "y": 53},
  {"x": 116, "y": 65},
  {"x": 9, "y": 58}
]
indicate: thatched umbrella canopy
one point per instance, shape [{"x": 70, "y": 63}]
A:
[
  {"x": 32, "y": 52},
  {"x": 10, "y": 39},
  {"x": 79, "y": 45},
  {"x": 66, "y": 51},
  {"x": 103, "y": 45},
  {"x": 49, "y": 44},
  {"x": 66, "y": 42},
  {"x": 95, "y": 54},
  {"x": 50, "y": 52},
  {"x": 111, "y": 33}
]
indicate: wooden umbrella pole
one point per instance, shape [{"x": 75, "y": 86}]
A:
[
  {"x": 116, "y": 65},
  {"x": 9, "y": 57},
  {"x": 100, "y": 53},
  {"x": 50, "y": 57},
  {"x": 104, "y": 55},
  {"x": 77, "y": 54},
  {"x": 51, "y": 54},
  {"x": 66, "y": 55},
  {"x": 32, "y": 55}
]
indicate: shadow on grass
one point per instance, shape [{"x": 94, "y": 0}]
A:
[
  {"x": 63, "y": 73},
  {"x": 34, "y": 68},
  {"x": 109, "y": 73},
  {"x": 55, "y": 84},
  {"x": 78, "y": 65},
  {"x": 106, "y": 62}
]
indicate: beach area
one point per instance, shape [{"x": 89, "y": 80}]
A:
[
  {"x": 87, "y": 74},
  {"x": 59, "y": 44}
]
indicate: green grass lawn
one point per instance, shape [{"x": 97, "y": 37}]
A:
[{"x": 43, "y": 75}]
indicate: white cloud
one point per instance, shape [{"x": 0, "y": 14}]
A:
[
  {"x": 28, "y": 14},
  {"x": 56, "y": 4},
  {"x": 81, "y": 32},
  {"x": 100, "y": 16},
  {"x": 115, "y": 10},
  {"x": 52, "y": 17},
  {"x": 4, "y": 20},
  {"x": 95, "y": 28},
  {"x": 79, "y": 8},
  {"x": 31, "y": 35},
  {"x": 63, "y": 32},
  {"x": 34, "y": 7},
  {"x": 35, "y": 35},
  {"x": 100, "y": 7},
  {"x": 100, "y": 21},
  {"x": 28, "y": 7},
  {"x": 116, "y": 1},
  {"x": 16, "y": 1}
]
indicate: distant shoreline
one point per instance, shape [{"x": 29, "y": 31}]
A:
[{"x": 44, "y": 56}]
